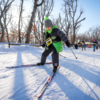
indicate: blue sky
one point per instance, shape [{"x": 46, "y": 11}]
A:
[{"x": 91, "y": 10}]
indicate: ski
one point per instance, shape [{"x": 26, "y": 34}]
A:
[
  {"x": 28, "y": 65},
  {"x": 45, "y": 85}
]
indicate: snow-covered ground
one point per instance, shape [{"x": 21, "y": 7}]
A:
[{"x": 76, "y": 79}]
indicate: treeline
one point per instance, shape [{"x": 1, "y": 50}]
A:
[
  {"x": 90, "y": 35},
  {"x": 31, "y": 28}
]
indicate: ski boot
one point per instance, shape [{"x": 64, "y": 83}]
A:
[
  {"x": 39, "y": 64},
  {"x": 55, "y": 69}
]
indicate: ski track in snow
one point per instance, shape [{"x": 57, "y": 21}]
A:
[{"x": 76, "y": 79}]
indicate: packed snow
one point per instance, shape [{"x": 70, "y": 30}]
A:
[{"x": 76, "y": 79}]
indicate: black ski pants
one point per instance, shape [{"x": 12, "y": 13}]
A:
[{"x": 55, "y": 56}]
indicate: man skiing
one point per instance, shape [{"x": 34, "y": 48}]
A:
[
  {"x": 94, "y": 44},
  {"x": 83, "y": 45},
  {"x": 53, "y": 43}
]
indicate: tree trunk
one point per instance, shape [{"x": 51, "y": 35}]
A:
[
  {"x": 2, "y": 30},
  {"x": 19, "y": 24},
  {"x": 32, "y": 18},
  {"x": 30, "y": 24}
]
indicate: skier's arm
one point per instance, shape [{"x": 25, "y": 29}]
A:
[{"x": 63, "y": 37}]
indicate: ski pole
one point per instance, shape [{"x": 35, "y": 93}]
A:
[
  {"x": 62, "y": 56},
  {"x": 73, "y": 53}
]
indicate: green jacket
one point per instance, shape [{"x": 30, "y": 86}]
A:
[{"x": 56, "y": 36}]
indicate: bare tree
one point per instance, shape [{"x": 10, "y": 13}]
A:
[
  {"x": 4, "y": 7},
  {"x": 7, "y": 20},
  {"x": 65, "y": 23},
  {"x": 96, "y": 33},
  {"x": 20, "y": 19},
  {"x": 59, "y": 22},
  {"x": 90, "y": 35},
  {"x": 35, "y": 6},
  {"x": 13, "y": 32},
  {"x": 72, "y": 9},
  {"x": 42, "y": 12}
]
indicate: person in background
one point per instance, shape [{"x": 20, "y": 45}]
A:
[
  {"x": 83, "y": 46},
  {"x": 94, "y": 44},
  {"x": 79, "y": 43},
  {"x": 76, "y": 45},
  {"x": 89, "y": 44},
  {"x": 53, "y": 43}
]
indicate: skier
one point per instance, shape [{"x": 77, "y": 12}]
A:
[
  {"x": 76, "y": 45},
  {"x": 53, "y": 43},
  {"x": 83, "y": 46},
  {"x": 94, "y": 44}
]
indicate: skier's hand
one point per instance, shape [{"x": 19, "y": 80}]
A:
[
  {"x": 68, "y": 44},
  {"x": 43, "y": 45}
]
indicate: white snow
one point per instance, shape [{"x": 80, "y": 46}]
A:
[{"x": 76, "y": 79}]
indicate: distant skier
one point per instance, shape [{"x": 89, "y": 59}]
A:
[
  {"x": 83, "y": 46},
  {"x": 53, "y": 43},
  {"x": 76, "y": 45},
  {"x": 94, "y": 44}
]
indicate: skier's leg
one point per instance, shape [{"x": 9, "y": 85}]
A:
[
  {"x": 82, "y": 48},
  {"x": 85, "y": 48},
  {"x": 93, "y": 47},
  {"x": 55, "y": 60},
  {"x": 45, "y": 54}
]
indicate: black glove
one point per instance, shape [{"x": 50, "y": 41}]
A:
[
  {"x": 43, "y": 45},
  {"x": 67, "y": 43}
]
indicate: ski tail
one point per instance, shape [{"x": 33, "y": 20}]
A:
[{"x": 28, "y": 65}]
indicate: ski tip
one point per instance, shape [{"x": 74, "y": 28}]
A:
[{"x": 36, "y": 98}]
